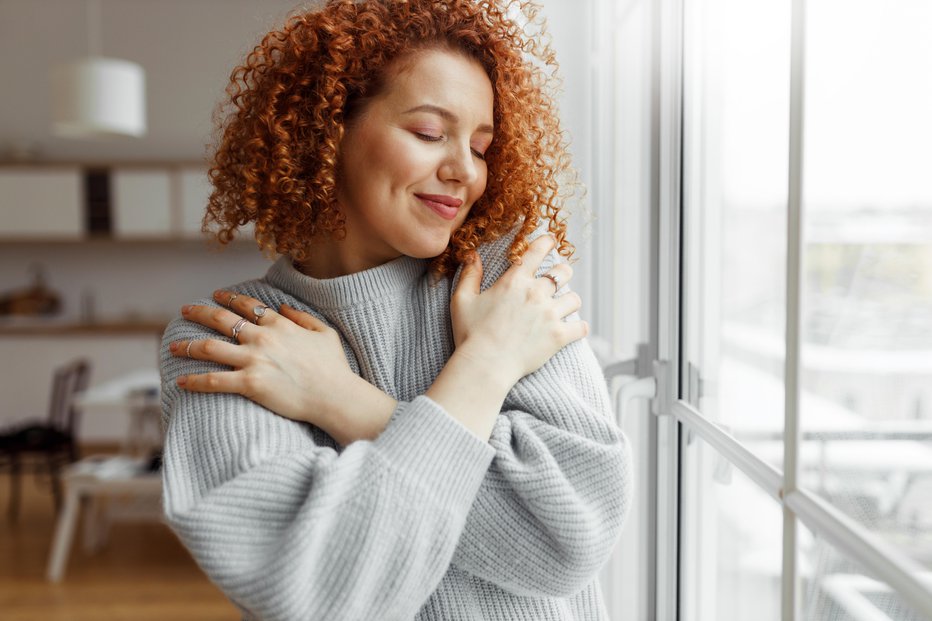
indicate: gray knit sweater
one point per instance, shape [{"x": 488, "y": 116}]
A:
[{"x": 425, "y": 522}]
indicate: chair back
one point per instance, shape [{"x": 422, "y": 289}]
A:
[{"x": 70, "y": 380}]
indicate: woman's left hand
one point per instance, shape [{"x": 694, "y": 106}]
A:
[{"x": 287, "y": 360}]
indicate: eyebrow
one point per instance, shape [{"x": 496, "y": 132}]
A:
[{"x": 447, "y": 115}]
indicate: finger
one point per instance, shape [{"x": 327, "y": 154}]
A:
[
  {"x": 218, "y": 319},
  {"x": 246, "y": 307},
  {"x": 220, "y": 381},
  {"x": 567, "y": 304},
  {"x": 305, "y": 320},
  {"x": 535, "y": 254},
  {"x": 562, "y": 272},
  {"x": 573, "y": 331},
  {"x": 471, "y": 276},
  {"x": 212, "y": 350}
]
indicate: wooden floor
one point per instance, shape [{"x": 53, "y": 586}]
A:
[{"x": 143, "y": 573}]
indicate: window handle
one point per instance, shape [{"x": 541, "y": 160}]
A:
[
  {"x": 650, "y": 379},
  {"x": 643, "y": 388}
]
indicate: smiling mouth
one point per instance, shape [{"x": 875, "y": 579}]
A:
[{"x": 445, "y": 206}]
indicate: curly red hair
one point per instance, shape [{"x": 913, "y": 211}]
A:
[{"x": 279, "y": 137}]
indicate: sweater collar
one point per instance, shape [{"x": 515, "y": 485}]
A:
[{"x": 374, "y": 283}]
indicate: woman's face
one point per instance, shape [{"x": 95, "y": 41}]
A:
[{"x": 411, "y": 164}]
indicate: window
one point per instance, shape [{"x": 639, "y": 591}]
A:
[
  {"x": 776, "y": 158},
  {"x": 735, "y": 141}
]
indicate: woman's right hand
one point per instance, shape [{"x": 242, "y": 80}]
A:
[
  {"x": 291, "y": 362},
  {"x": 517, "y": 324}
]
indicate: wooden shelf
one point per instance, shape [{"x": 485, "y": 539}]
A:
[
  {"x": 52, "y": 327},
  {"x": 98, "y": 164},
  {"x": 207, "y": 243}
]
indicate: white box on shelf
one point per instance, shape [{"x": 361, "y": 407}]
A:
[
  {"x": 194, "y": 191},
  {"x": 46, "y": 203},
  {"x": 141, "y": 204}
]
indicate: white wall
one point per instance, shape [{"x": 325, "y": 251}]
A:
[{"x": 187, "y": 49}]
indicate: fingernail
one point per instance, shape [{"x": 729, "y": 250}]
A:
[
  {"x": 172, "y": 346},
  {"x": 182, "y": 380},
  {"x": 185, "y": 310},
  {"x": 218, "y": 293}
]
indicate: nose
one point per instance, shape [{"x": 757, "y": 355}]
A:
[{"x": 459, "y": 165}]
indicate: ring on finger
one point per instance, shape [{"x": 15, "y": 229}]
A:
[
  {"x": 259, "y": 311},
  {"x": 187, "y": 350},
  {"x": 236, "y": 328},
  {"x": 233, "y": 296},
  {"x": 555, "y": 279}
]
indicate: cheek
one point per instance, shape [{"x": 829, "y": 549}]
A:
[
  {"x": 382, "y": 160},
  {"x": 481, "y": 182},
  {"x": 403, "y": 167}
]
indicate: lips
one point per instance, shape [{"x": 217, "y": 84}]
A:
[{"x": 445, "y": 206}]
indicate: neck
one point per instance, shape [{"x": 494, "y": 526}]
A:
[{"x": 332, "y": 259}]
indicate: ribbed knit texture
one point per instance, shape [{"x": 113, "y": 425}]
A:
[{"x": 426, "y": 522}]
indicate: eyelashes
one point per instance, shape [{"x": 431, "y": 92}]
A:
[{"x": 432, "y": 138}]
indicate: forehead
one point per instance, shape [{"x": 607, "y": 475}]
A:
[{"x": 442, "y": 78}]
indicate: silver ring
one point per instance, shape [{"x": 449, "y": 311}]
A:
[
  {"x": 187, "y": 350},
  {"x": 259, "y": 311},
  {"x": 239, "y": 326},
  {"x": 554, "y": 278},
  {"x": 230, "y": 301}
]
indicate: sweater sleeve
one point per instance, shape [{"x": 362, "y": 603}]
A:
[
  {"x": 292, "y": 529},
  {"x": 554, "y": 499}
]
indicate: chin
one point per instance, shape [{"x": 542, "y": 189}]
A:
[{"x": 429, "y": 250}]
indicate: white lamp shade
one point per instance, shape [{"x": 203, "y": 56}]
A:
[{"x": 99, "y": 97}]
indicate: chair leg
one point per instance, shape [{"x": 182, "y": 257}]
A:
[
  {"x": 15, "y": 473},
  {"x": 96, "y": 522},
  {"x": 55, "y": 473},
  {"x": 64, "y": 531}
]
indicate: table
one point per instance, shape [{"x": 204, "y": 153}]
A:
[
  {"x": 119, "y": 486},
  {"x": 98, "y": 478}
]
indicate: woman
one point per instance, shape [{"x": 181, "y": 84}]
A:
[{"x": 401, "y": 420}]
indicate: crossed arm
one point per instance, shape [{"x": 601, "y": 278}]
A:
[{"x": 534, "y": 510}]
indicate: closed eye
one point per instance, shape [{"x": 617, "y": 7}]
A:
[{"x": 432, "y": 138}]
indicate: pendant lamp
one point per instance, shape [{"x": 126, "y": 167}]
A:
[{"x": 97, "y": 96}]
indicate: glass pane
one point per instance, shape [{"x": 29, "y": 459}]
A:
[
  {"x": 732, "y": 542},
  {"x": 736, "y": 140},
  {"x": 867, "y": 355},
  {"x": 837, "y": 588}
]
